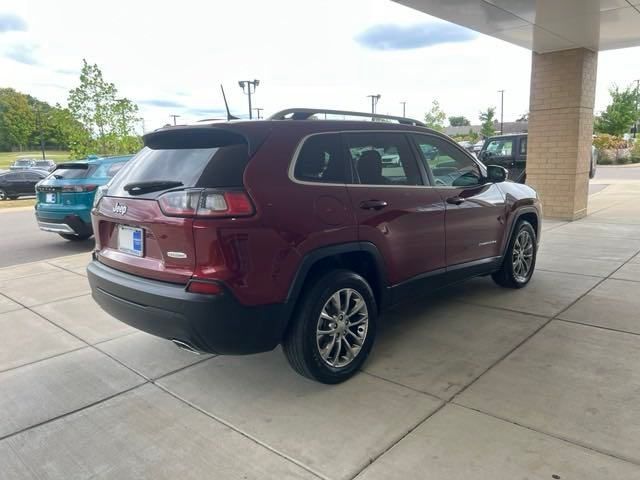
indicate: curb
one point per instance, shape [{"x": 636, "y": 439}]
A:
[{"x": 626, "y": 165}]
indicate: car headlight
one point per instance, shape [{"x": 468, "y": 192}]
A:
[{"x": 100, "y": 192}]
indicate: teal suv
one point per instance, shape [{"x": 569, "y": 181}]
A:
[{"x": 65, "y": 197}]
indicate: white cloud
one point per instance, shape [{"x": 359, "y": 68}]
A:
[{"x": 304, "y": 53}]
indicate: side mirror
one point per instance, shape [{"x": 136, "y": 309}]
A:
[{"x": 496, "y": 173}]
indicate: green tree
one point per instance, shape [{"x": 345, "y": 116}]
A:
[
  {"x": 620, "y": 114},
  {"x": 109, "y": 119},
  {"x": 435, "y": 117},
  {"x": 486, "y": 118},
  {"x": 459, "y": 121},
  {"x": 17, "y": 119},
  {"x": 69, "y": 134}
]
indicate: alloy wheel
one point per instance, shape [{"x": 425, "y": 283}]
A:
[
  {"x": 342, "y": 327},
  {"x": 522, "y": 256}
]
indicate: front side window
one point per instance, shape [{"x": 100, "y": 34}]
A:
[
  {"x": 383, "y": 159},
  {"x": 321, "y": 160},
  {"x": 449, "y": 167},
  {"x": 500, "y": 147}
]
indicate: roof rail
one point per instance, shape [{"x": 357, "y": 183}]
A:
[{"x": 305, "y": 113}]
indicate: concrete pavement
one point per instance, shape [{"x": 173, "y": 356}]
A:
[
  {"x": 22, "y": 241},
  {"x": 476, "y": 382}
]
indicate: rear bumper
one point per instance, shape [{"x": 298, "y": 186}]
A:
[
  {"x": 69, "y": 224},
  {"x": 208, "y": 323}
]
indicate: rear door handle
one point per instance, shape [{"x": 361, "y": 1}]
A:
[
  {"x": 455, "y": 200},
  {"x": 373, "y": 204}
]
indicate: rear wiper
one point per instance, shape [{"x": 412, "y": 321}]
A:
[{"x": 138, "y": 188}]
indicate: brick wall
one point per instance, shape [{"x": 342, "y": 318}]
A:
[{"x": 560, "y": 130}]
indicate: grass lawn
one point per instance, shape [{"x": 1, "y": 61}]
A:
[
  {"x": 22, "y": 202},
  {"x": 7, "y": 158}
]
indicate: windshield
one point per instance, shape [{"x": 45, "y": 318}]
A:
[
  {"x": 22, "y": 163},
  {"x": 192, "y": 167},
  {"x": 78, "y": 171}
]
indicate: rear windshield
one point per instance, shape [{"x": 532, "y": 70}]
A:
[
  {"x": 77, "y": 171},
  {"x": 194, "y": 167}
]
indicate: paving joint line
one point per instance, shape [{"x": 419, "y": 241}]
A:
[
  {"x": 394, "y": 444},
  {"x": 241, "y": 432},
  {"x": 77, "y": 410},
  {"x": 398, "y": 384},
  {"x": 33, "y": 362},
  {"x": 572, "y": 273},
  {"x": 609, "y": 329},
  {"x": 64, "y": 269},
  {"x": 549, "y": 434}
]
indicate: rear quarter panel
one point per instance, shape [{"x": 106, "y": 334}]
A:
[{"x": 292, "y": 219}]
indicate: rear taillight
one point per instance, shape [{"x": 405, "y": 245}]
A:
[
  {"x": 79, "y": 188},
  {"x": 207, "y": 288},
  {"x": 206, "y": 203},
  {"x": 100, "y": 192}
]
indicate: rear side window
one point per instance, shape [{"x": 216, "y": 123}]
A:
[
  {"x": 194, "y": 167},
  {"x": 321, "y": 160},
  {"x": 108, "y": 170},
  {"x": 383, "y": 159}
]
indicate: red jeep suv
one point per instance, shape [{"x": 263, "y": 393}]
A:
[{"x": 235, "y": 237}]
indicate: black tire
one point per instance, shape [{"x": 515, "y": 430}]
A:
[
  {"x": 300, "y": 344},
  {"x": 3, "y": 195},
  {"x": 506, "y": 276},
  {"x": 76, "y": 238}
]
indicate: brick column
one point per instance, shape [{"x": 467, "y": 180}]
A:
[{"x": 560, "y": 128}]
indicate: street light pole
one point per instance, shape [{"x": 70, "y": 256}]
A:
[
  {"x": 637, "y": 122},
  {"x": 501, "y": 92},
  {"x": 374, "y": 102},
  {"x": 39, "y": 122},
  {"x": 404, "y": 105},
  {"x": 258, "y": 110},
  {"x": 249, "y": 84},
  {"x": 174, "y": 118}
]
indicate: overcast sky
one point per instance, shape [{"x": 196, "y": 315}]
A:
[{"x": 170, "y": 57}]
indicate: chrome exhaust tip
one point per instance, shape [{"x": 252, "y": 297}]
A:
[{"x": 185, "y": 346}]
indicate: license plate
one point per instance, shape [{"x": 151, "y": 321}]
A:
[
  {"x": 130, "y": 240},
  {"x": 49, "y": 198}
]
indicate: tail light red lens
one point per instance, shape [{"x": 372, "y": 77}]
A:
[
  {"x": 206, "y": 203},
  {"x": 207, "y": 288}
]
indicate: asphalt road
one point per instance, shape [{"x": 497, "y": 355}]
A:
[
  {"x": 21, "y": 241},
  {"x": 616, "y": 173}
]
